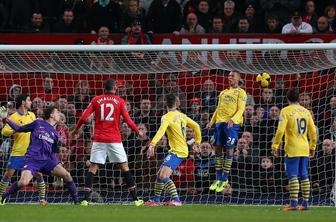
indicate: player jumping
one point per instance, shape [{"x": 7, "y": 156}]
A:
[
  {"x": 107, "y": 138},
  {"x": 228, "y": 118},
  {"x": 41, "y": 153},
  {"x": 175, "y": 124},
  {"x": 296, "y": 122}
]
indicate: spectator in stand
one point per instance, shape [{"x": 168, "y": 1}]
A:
[
  {"x": 189, "y": 6},
  {"x": 250, "y": 14},
  {"x": 230, "y": 18},
  {"x": 280, "y": 91},
  {"x": 82, "y": 96},
  {"x": 146, "y": 115},
  {"x": 164, "y": 16},
  {"x": 192, "y": 26},
  {"x": 249, "y": 110},
  {"x": 217, "y": 25},
  {"x": 136, "y": 36},
  {"x": 266, "y": 100},
  {"x": 323, "y": 26},
  {"x": 132, "y": 12},
  {"x": 330, "y": 13},
  {"x": 62, "y": 104},
  {"x": 205, "y": 119},
  {"x": 274, "y": 113},
  {"x": 71, "y": 117},
  {"x": 297, "y": 26},
  {"x": 184, "y": 176},
  {"x": 272, "y": 25},
  {"x": 283, "y": 9},
  {"x": 323, "y": 168},
  {"x": 208, "y": 95},
  {"x": 48, "y": 93},
  {"x": 190, "y": 137},
  {"x": 170, "y": 86},
  {"x": 195, "y": 109},
  {"x": 204, "y": 160},
  {"x": 309, "y": 15},
  {"x": 13, "y": 92},
  {"x": 248, "y": 137},
  {"x": 19, "y": 13},
  {"x": 63, "y": 131},
  {"x": 105, "y": 13},
  {"x": 103, "y": 37},
  {"x": 80, "y": 9},
  {"x": 243, "y": 153},
  {"x": 37, "y": 104},
  {"x": 333, "y": 106},
  {"x": 331, "y": 132},
  {"x": 243, "y": 26},
  {"x": 270, "y": 178},
  {"x": 204, "y": 14},
  {"x": 37, "y": 25},
  {"x": 67, "y": 24}
]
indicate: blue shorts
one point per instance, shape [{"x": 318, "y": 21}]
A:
[
  {"x": 172, "y": 161},
  {"x": 297, "y": 167},
  {"x": 43, "y": 166},
  {"x": 226, "y": 137},
  {"x": 15, "y": 162}
]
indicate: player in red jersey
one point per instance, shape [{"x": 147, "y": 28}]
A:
[{"x": 107, "y": 138}]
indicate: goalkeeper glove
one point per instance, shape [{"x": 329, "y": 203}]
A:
[{"x": 3, "y": 112}]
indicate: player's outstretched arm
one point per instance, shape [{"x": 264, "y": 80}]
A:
[
  {"x": 25, "y": 128},
  {"x": 197, "y": 129}
]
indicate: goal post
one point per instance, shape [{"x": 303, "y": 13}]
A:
[{"x": 68, "y": 76}]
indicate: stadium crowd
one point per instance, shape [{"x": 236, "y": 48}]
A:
[
  {"x": 168, "y": 16},
  {"x": 254, "y": 169}
]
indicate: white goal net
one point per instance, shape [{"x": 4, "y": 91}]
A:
[{"x": 69, "y": 76}]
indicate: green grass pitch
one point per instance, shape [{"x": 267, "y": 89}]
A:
[{"x": 195, "y": 213}]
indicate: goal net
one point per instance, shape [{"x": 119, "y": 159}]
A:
[{"x": 69, "y": 76}]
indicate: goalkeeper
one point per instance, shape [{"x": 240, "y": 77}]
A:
[
  {"x": 295, "y": 122},
  {"x": 228, "y": 118}
]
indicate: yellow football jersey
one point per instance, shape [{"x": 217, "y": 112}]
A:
[
  {"x": 175, "y": 124},
  {"x": 231, "y": 105},
  {"x": 21, "y": 140},
  {"x": 296, "y": 122}
]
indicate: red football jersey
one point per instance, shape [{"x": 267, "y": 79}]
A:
[{"x": 107, "y": 109}]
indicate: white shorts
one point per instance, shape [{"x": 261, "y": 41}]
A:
[{"x": 115, "y": 152}]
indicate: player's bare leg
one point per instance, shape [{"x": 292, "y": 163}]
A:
[
  {"x": 93, "y": 168},
  {"x": 63, "y": 173},
  {"x": 26, "y": 177},
  {"x": 219, "y": 168},
  {"x": 126, "y": 174}
]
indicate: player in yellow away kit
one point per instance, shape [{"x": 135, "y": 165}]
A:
[
  {"x": 21, "y": 142},
  {"x": 296, "y": 122},
  {"x": 228, "y": 118},
  {"x": 175, "y": 124}
]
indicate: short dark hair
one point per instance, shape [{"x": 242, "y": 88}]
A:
[
  {"x": 110, "y": 84},
  {"x": 48, "y": 111},
  {"x": 19, "y": 99},
  {"x": 171, "y": 100},
  {"x": 293, "y": 95}
]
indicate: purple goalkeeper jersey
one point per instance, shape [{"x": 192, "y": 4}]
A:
[{"x": 43, "y": 139}]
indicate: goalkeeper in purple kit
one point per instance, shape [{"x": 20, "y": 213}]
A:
[{"x": 41, "y": 153}]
